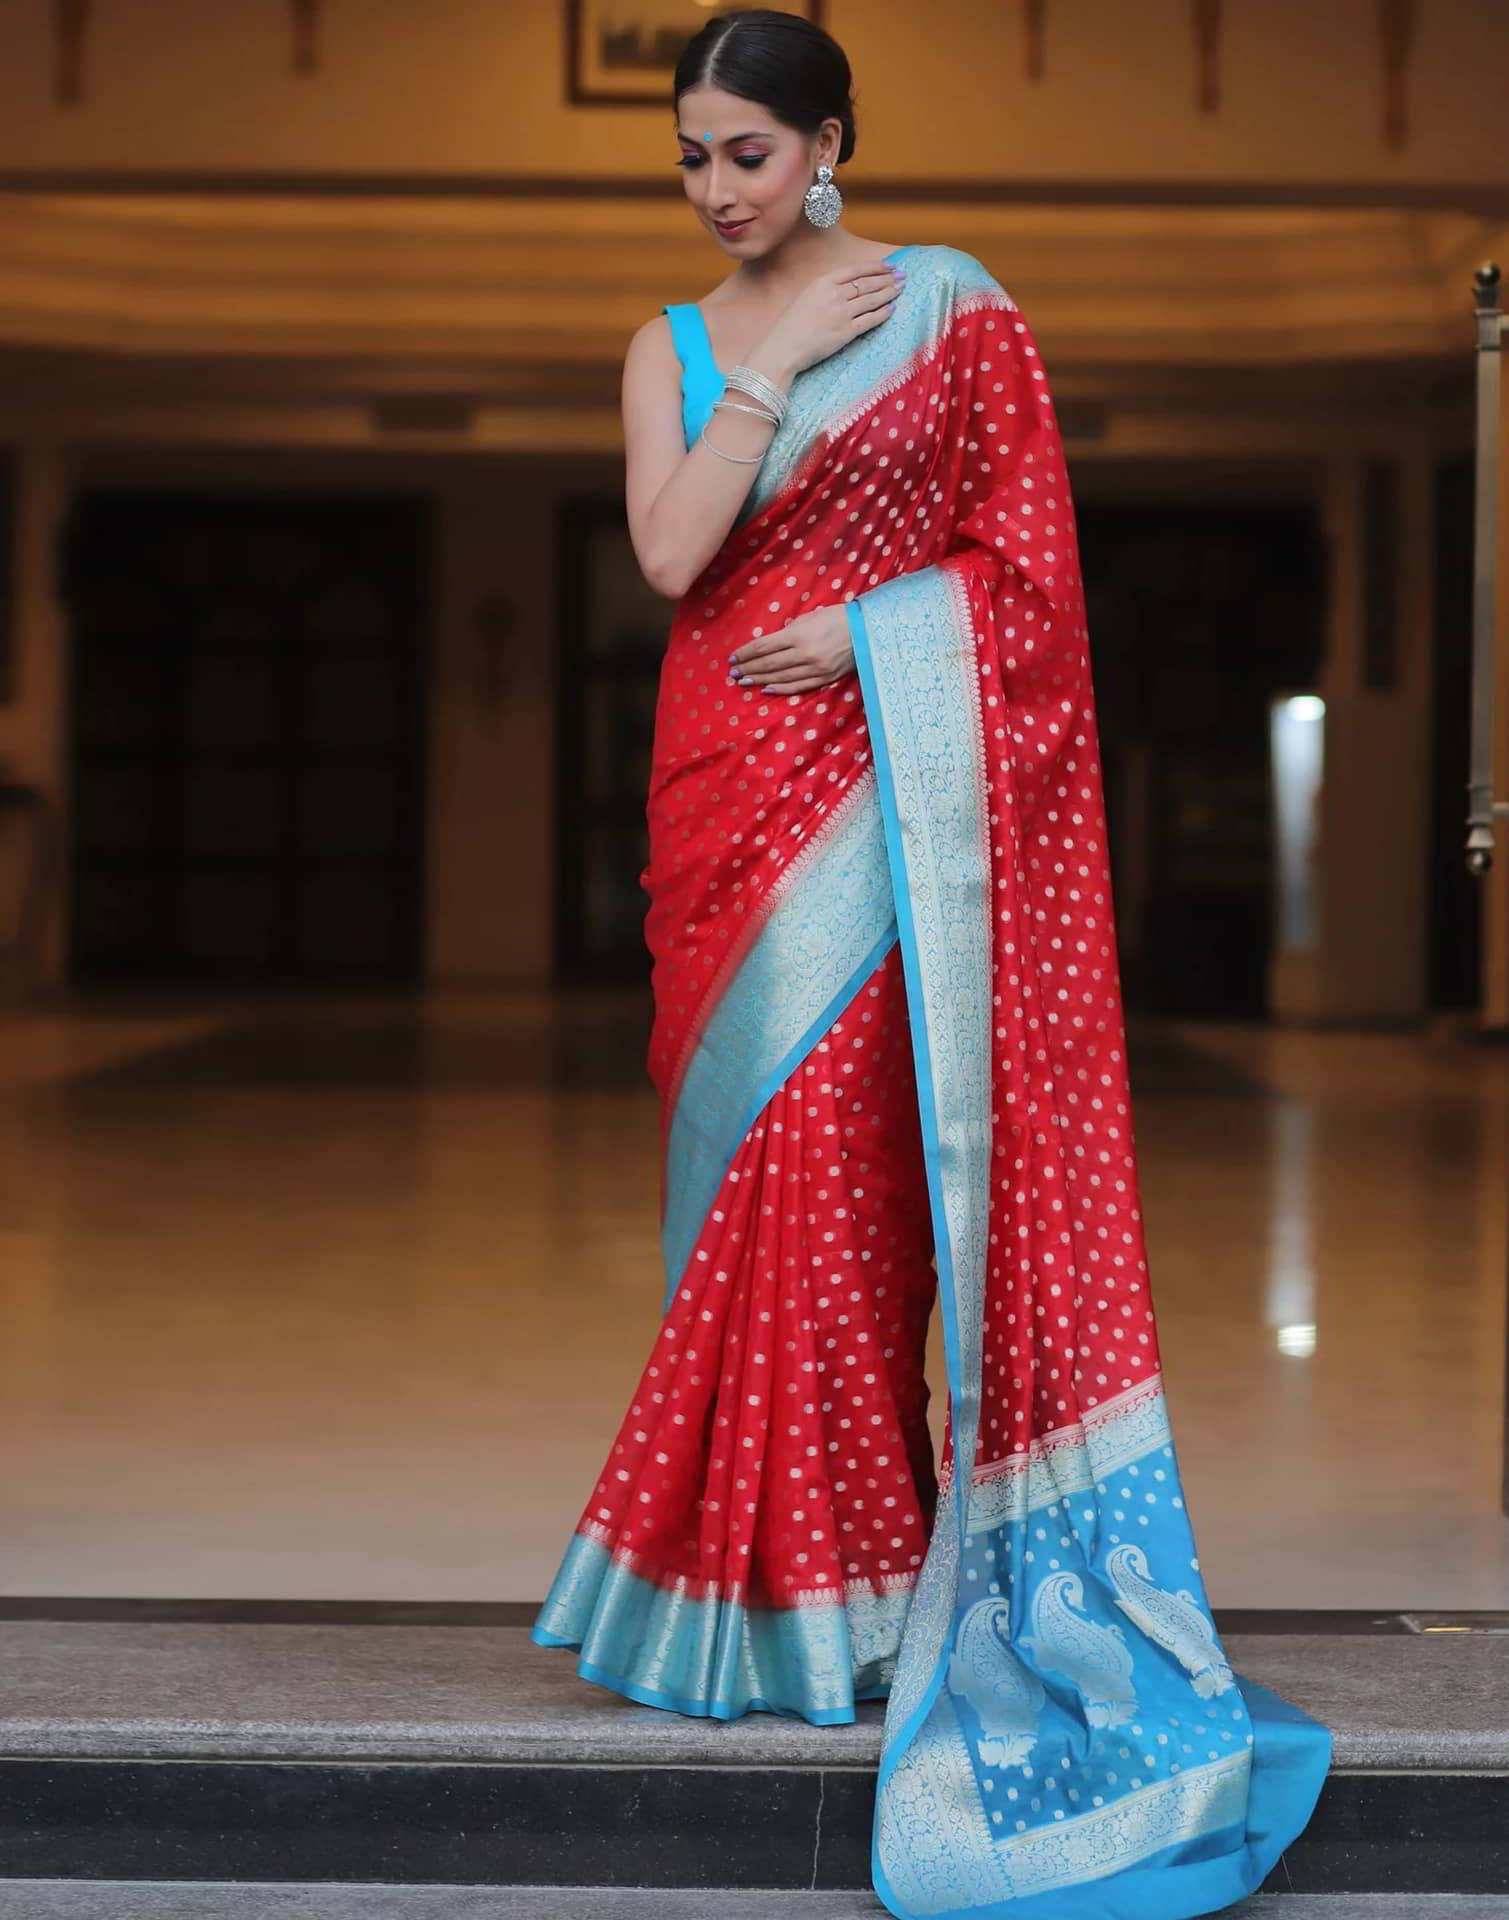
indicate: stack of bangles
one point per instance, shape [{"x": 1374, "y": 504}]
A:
[{"x": 770, "y": 405}]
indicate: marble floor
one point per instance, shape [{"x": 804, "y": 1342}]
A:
[{"x": 344, "y": 1298}]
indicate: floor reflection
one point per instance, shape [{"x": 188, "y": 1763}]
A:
[{"x": 345, "y": 1298}]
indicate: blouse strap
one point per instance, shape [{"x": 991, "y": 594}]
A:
[{"x": 686, "y": 325}]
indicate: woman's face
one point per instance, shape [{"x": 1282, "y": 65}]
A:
[{"x": 745, "y": 172}]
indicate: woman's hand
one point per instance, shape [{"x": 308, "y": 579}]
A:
[
  {"x": 814, "y": 651},
  {"x": 827, "y": 314}
]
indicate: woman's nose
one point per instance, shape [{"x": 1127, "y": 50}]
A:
[{"x": 722, "y": 189}]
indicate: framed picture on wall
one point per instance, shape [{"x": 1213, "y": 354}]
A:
[{"x": 622, "y": 53}]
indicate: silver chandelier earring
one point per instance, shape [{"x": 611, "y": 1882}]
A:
[{"x": 823, "y": 201}]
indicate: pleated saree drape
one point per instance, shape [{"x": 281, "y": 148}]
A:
[{"x": 890, "y": 1053}]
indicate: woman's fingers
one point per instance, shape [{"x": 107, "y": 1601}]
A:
[
  {"x": 788, "y": 678},
  {"x": 761, "y": 662},
  {"x": 753, "y": 652},
  {"x": 809, "y": 670},
  {"x": 880, "y": 297},
  {"x": 876, "y": 307}
]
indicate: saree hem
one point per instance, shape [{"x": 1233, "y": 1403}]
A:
[
  {"x": 715, "y": 1656},
  {"x": 1190, "y": 1878},
  {"x": 704, "y": 1709}
]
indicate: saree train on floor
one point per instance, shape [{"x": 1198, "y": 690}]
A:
[{"x": 889, "y": 1029}]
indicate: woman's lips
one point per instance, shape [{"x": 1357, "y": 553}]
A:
[{"x": 728, "y": 228}]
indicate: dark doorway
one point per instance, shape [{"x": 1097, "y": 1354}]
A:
[
  {"x": 612, "y": 640},
  {"x": 247, "y": 737},
  {"x": 1198, "y": 615}
]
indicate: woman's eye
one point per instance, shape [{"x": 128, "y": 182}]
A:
[{"x": 749, "y": 161}]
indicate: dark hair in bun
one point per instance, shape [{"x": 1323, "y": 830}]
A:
[{"x": 780, "y": 61}]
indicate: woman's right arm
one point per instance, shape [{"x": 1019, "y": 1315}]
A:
[{"x": 682, "y": 501}]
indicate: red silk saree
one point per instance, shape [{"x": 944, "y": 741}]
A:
[{"x": 889, "y": 1048}]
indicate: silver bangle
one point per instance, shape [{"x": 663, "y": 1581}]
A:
[
  {"x": 758, "y": 387},
  {"x": 760, "y": 413},
  {"x": 743, "y": 381},
  {"x": 741, "y": 459},
  {"x": 745, "y": 375}
]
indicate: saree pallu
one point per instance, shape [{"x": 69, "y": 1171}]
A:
[{"x": 889, "y": 1046}]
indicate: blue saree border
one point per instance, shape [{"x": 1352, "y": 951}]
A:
[
  {"x": 715, "y": 1658},
  {"x": 919, "y": 605},
  {"x": 1031, "y": 1775},
  {"x": 1228, "y": 1862},
  {"x": 830, "y": 927},
  {"x": 825, "y": 398}
]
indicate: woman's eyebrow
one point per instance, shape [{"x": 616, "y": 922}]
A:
[{"x": 759, "y": 133}]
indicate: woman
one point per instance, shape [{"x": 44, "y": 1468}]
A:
[{"x": 888, "y": 1038}]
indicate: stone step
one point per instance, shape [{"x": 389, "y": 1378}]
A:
[
  {"x": 438, "y": 1756},
  {"x": 1414, "y": 1701},
  {"x": 311, "y": 1900}
]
